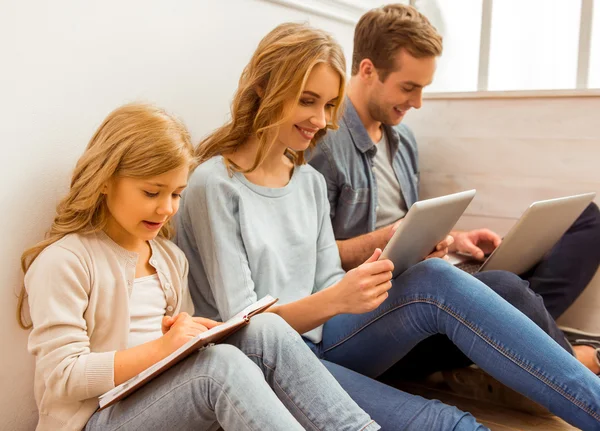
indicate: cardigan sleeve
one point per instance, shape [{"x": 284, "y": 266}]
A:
[{"x": 58, "y": 285}]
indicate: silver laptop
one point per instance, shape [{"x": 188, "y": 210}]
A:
[{"x": 535, "y": 233}]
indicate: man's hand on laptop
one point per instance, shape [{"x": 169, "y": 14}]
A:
[
  {"x": 478, "y": 243},
  {"x": 441, "y": 250}
]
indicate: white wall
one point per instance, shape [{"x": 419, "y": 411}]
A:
[{"x": 64, "y": 65}]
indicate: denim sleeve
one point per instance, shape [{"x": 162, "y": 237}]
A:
[
  {"x": 322, "y": 160},
  {"x": 213, "y": 208},
  {"x": 329, "y": 266}
]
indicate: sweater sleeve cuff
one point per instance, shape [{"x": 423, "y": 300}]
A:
[{"x": 100, "y": 373}]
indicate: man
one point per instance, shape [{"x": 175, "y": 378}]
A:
[{"x": 372, "y": 160}]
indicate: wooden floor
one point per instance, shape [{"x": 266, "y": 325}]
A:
[{"x": 494, "y": 416}]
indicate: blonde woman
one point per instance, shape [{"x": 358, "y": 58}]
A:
[
  {"x": 108, "y": 297},
  {"x": 255, "y": 220}
]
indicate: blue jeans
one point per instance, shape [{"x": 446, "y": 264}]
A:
[
  {"x": 265, "y": 378},
  {"x": 435, "y": 298},
  {"x": 546, "y": 291},
  {"x": 439, "y": 353}
]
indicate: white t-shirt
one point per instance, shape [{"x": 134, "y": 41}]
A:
[
  {"x": 147, "y": 305},
  {"x": 390, "y": 202}
]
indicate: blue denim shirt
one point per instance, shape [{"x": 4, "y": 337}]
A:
[{"x": 345, "y": 158}]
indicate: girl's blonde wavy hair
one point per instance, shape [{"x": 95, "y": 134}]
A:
[
  {"x": 135, "y": 140},
  {"x": 276, "y": 75}
]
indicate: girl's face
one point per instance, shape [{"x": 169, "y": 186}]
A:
[
  {"x": 314, "y": 110},
  {"x": 139, "y": 207}
]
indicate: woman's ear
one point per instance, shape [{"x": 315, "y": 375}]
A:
[{"x": 104, "y": 188}]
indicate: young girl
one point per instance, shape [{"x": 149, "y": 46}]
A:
[
  {"x": 256, "y": 220},
  {"x": 108, "y": 297}
]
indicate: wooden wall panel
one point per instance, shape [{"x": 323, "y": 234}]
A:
[
  {"x": 552, "y": 118},
  {"x": 561, "y": 159},
  {"x": 501, "y": 196}
]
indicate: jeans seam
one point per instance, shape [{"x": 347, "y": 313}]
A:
[
  {"x": 179, "y": 386},
  {"x": 499, "y": 349},
  {"x": 261, "y": 358},
  {"x": 367, "y": 425}
]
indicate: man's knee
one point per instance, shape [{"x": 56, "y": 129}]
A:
[
  {"x": 589, "y": 219},
  {"x": 592, "y": 211},
  {"x": 504, "y": 283},
  {"x": 513, "y": 289}
]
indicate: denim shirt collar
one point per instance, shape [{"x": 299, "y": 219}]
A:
[{"x": 360, "y": 137}]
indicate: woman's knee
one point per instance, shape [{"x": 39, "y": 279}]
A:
[
  {"x": 428, "y": 269},
  {"x": 433, "y": 277}
]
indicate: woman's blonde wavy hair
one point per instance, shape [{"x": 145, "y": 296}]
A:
[
  {"x": 276, "y": 75},
  {"x": 136, "y": 141}
]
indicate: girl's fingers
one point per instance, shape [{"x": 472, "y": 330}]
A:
[
  {"x": 206, "y": 322},
  {"x": 166, "y": 324}
]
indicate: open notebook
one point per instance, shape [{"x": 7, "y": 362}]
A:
[{"x": 214, "y": 335}]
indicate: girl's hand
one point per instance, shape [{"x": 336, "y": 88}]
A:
[
  {"x": 180, "y": 329},
  {"x": 168, "y": 321},
  {"x": 365, "y": 287}
]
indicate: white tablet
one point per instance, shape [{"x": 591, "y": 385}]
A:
[{"x": 425, "y": 225}]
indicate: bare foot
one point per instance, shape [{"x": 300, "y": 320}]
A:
[{"x": 587, "y": 356}]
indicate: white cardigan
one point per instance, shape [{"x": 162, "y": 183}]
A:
[{"x": 79, "y": 289}]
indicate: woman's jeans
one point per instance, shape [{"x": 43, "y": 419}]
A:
[
  {"x": 264, "y": 378},
  {"x": 439, "y": 353},
  {"x": 433, "y": 298}
]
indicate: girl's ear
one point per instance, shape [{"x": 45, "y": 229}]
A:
[{"x": 260, "y": 90}]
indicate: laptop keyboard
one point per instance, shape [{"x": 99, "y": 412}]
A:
[{"x": 469, "y": 266}]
